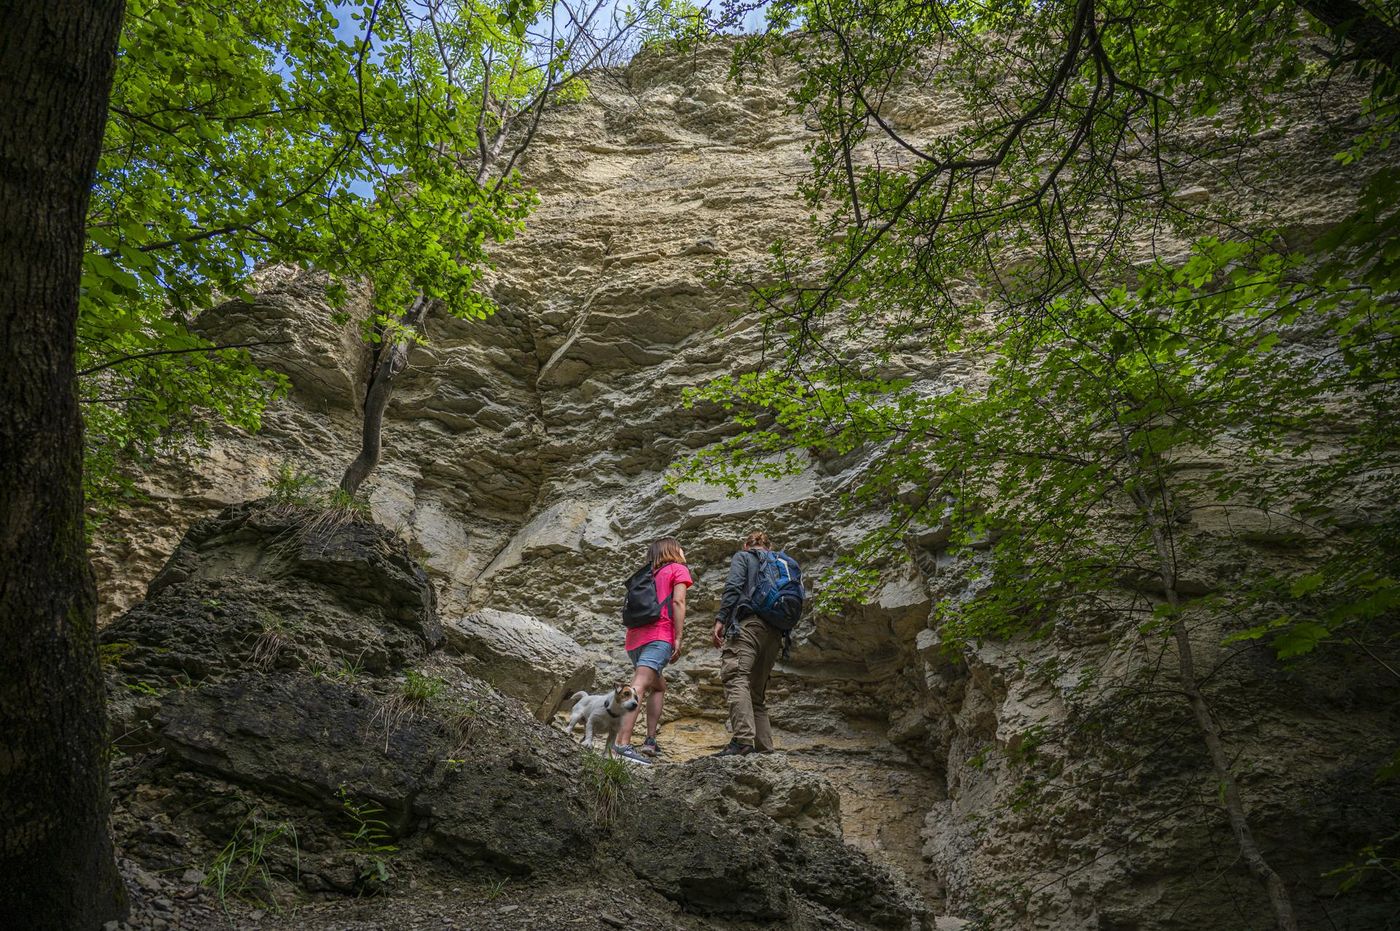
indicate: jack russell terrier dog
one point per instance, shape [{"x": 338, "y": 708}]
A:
[{"x": 603, "y": 713}]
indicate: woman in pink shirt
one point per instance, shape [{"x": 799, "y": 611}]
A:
[{"x": 653, "y": 646}]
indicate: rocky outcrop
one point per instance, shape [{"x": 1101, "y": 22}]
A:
[
  {"x": 248, "y": 752},
  {"x": 275, "y": 586},
  {"x": 754, "y": 879}
]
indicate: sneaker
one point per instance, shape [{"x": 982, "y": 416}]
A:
[
  {"x": 630, "y": 754},
  {"x": 650, "y": 747},
  {"x": 735, "y": 749}
]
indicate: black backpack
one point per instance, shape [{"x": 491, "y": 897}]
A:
[
  {"x": 641, "y": 608},
  {"x": 778, "y": 595}
]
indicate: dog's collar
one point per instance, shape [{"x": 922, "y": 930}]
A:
[{"x": 607, "y": 706}]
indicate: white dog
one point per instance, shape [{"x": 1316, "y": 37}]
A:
[{"x": 603, "y": 713}]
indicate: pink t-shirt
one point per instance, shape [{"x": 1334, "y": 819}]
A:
[{"x": 666, "y": 580}]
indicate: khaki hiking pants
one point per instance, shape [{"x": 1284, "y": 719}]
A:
[{"x": 745, "y": 662}]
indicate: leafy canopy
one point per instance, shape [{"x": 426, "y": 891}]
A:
[
  {"x": 344, "y": 137},
  {"x": 1070, "y": 192}
]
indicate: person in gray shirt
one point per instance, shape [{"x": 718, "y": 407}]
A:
[{"x": 748, "y": 648}]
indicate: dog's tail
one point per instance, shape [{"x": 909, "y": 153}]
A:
[{"x": 574, "y": 698}]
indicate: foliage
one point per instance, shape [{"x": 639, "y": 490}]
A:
[
  {"x": 370, "y": 837},
  {"x": 1105, "y": 370},
  {"x": 243, "y": 134},
  {"x": 420, "y": 689},
  {"x": 1154, "y": 371},
  {"x": 242, "y": 870},
  {"x": 607, "y": 779},
  {"x": 291, "y": 487},
  {"x": 673, "y": 24}
]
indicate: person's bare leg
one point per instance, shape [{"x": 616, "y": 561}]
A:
[
  {"x": 642, "y": 679},
  {"x": 654, "y": 700}
]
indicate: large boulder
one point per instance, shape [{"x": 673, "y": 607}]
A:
[
  {"x": 701, "y": 862},
  {"x": 699, "y": 834},
  {"x": 512, "y": 819},
  {"x": 269, "y": 586},
  {"x": 522, "y": 656},
  {"x": 282, "y": 688}
]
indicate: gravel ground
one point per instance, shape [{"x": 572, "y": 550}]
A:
[{"x": 538, "y": 907}]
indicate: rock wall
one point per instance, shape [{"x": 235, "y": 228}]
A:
[{"x": 525, "y": 457}]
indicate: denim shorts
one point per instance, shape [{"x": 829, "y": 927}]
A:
[{"x": 653, "y": 655}]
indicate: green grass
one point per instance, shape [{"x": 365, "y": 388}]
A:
[
  {"x": 607, "y": 781},
  {"x": 241, "y": 871},
  {"x": 316, "y": 513},
  {"x": 341, "y": 500},
  {"x": 419, "y": 689},
  {"x": 412, "y": 699},
  {"x": 350, "y": 670}
]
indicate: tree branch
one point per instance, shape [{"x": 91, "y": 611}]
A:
[{"x": 175, "y": 352}]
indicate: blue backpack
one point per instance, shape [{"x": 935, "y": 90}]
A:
[{"x": 778, "y": 595}]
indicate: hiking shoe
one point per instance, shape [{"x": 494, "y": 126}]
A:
[
  {"x": 735, "y": 749},
  {"x": 650, "y": 747},
  {"x": 630, "y": 754}
]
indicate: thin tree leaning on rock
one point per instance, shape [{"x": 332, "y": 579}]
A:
[{"x": 749, "y": 647}]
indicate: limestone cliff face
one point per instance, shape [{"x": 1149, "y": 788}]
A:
[{"x": 525, "y": 457}]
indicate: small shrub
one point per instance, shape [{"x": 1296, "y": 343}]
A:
[
  {"x": 369, "y": 837},
  {"x": 494, "y": 889},
  {"x": 419, "y": 689},
  {"x": 349, "y": 671},
  {"x": 341, "y": 500},
  {"x": 607, "y": 781},
  {"x": 413, "y": 696},
  {"x": 292, "y": 488}
]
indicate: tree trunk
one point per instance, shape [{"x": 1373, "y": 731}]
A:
[
  {"x": 56, "y": 865},
  {"x": 1370, "y": 36},
  {"x": 392, "y": 359},
  {"x": 1253, "y": 857}
]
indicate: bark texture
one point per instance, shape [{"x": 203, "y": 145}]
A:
[
  {"x": 1372, "y": 37},
  {"x": 56, "y": 861}
]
